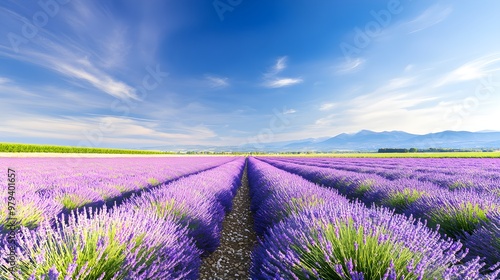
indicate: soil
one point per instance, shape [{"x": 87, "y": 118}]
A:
[{"x": 233, "y": 257}]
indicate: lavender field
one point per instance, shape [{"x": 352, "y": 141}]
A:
[
  {"x": 127, "y": 218},
  {"x": 459, "y": 198},
  {"x": 314, "y": 218}
]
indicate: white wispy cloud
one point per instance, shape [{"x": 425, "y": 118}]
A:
[
  {"x": 414, "y": 103},
  {"x": 283, "y": 82},
  {"x": 327, "y": 120},
  {"x": 350, "y": 66},
  {"x": 389, "y": 88},
  {"x": 107, "y": 36},
  {"x": 115, "y": 48},
  {"x": 217, "y": 82},
  {"x": 398, "y": 83},
  {"x": 60, "y": 59},
  {"x": 25, "y": 98},
  {"x": 4, "y": 80},
  {"x": 82, "y": 57},
  {"x": 472, "y": 70},
  {"x": 274, "y": 81},
  {"x": 398, "y": 111},
  {"x": 98, "y": 79},
  {"x": 289, "y": 111},
  {"x": 408, "y": 68},
  {"x": 280, "y": 64},
  {"x": 88, "y": 130},
  {"x": 428, "y": 18},
  {"x": 12, "y": 93},
  {"x": 327, "y": 106}
]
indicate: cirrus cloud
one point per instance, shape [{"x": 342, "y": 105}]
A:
[{"x": 273, "y": 81}]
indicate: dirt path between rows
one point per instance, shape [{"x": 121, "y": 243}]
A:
[{"x": 233, "y": 257}]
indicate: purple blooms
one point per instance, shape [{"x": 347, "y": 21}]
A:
[
  {"x": 451, "y": 174},
  {"x": 201, "y": 215},
  {"x": 47, "y": 187},
  {"x": 160, "y": 234},
  {"x": 155, "y": 218},
  {"x": 196, "y": 202},
  {"x": 453, "y": 195},
  {"x": 278, "y": 195},
  {"x": 340, "y": 240},
  {"x": 455, "y": 212},
  {"x": 485, "y": 240},
  {"x": 101, "y": 244}
]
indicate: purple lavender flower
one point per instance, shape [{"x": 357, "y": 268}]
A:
[
  {"x": 485, "y": 240},
  {"x": 195, "y": 202},
  {"x": 455, "y": 212},
  {"x": 370, "y": 243},
  {"x": 49, "y": 187},
  {"x": 117, "y": 244},
  {"x": 454, "y": 195}
]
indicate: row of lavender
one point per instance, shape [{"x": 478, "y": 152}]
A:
[
  {"x": 47, "y": 187},
  {"x": 459, "y": 165},
  {"x": 161, "y": 234},
  {"x": 468, "y": 215},
  {"x": 310, "y": 232},
  {"x": 453, "y": 174}
]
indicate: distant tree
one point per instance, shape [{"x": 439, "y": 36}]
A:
[
  {"x": 413, "y": 150},
  {"x": 392, "y": 150}
]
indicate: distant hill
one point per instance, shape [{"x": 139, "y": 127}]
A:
[
  {"x": 365, "y": 140},
  {"x": 369, "y": 140}
]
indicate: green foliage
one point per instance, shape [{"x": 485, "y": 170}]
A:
[
  {"x": 419, "y": 154},
  {"x": 496, "y": 192},
  {"x": 393, "y": 150},
  {"x": 173, "y": 208},
  {"x": 31, "y": 148},
  {"x": 94, "y": 252},
  {"x": 120, "y": 188},
  {"x": 153, "y": 182},
  {"x": 72, "y": 201},
  {"x": 27, "y": 215},
  {"x": 368, "y": 254},
  {"x": 465, "y": 217},
  {"x": 298, "y": 204},
  {"x": 364, "y": 187},
  {"x": 402, "y": 200},
  {"x": 460, "y": 185},
  {"x": 170, "y": 208}
]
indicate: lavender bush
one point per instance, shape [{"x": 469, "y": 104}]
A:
[
  {"x": 485, "y": 240},
  {"x": 100, "y": 245},
  {"x": 47, "y": 187},
  {"x": 159, "y": 235},
  {"x": 340, "y": 240},
  {"x": 454, "y": 212}
]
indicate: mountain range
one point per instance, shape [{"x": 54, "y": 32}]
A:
[{"x": 364, "y": 140}]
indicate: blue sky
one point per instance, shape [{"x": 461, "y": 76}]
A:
[{"x": 229, "y": 72}]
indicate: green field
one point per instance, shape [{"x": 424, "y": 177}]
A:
[
  {"x": 400, "y": 155},
  {"x": 32, "y": 148}
]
